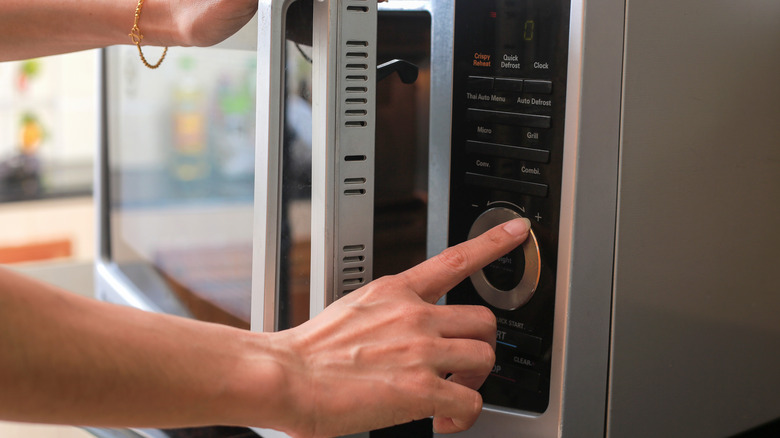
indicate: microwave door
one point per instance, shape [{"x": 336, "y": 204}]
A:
[
  {"x": 341, "y": 133},
  {"x": 344, "y": 79}
]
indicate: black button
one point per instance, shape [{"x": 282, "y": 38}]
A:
[
  {"x": 500, "y": 167},
  {"x": 480, "y": 83},
  {"x": 532, "y": 138},
  {"x": 508, "y": 84},
  {"x": 506, "y": 151},
  {"x": 510, "y": 185},
  {"x": 522, "y": 377},
  {"x": 515, "y": 119},
  {"x": 523, "y": 343},
  {"x": 514, "y": 357},
  {"x": 540, "y": 87},
  {"x": 489, "y": 99}
]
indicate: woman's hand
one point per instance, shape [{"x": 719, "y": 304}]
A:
[
  {"x": 382, "y": 355},
  {"x": 378, "y": 357},
  {"x": 208, "y": 22},
  {"x": 204, "y": 22}
]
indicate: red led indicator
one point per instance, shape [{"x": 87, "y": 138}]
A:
[{"x": 493, "y": 14}]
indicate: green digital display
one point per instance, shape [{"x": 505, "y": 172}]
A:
[{"x": 528, "y": 30}]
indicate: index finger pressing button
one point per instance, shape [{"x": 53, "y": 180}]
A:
[
  {"x": 436, "y": 276},
  {"x": 510, "y": 281}
]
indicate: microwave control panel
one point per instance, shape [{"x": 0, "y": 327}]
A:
[{"x": 509, "y": 91}]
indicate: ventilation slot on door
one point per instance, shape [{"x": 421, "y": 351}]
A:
[
  {"x": 351, "y": 284},
  {"x": 356, "y": 80},
  {"x": 353, "y": 268},
  {"x": 355, "y": 115},
  {"x": 355, "y": 186}
]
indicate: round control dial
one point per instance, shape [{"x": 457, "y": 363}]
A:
[{"x": 509, "y": 282}]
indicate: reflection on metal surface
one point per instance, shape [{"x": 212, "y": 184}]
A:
[{"x": 199, "y": 432}]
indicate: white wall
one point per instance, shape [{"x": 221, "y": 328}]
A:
[{"x": 63, "y": 95}]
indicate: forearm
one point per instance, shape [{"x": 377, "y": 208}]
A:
[
  {"x": 69, "y": 359},
  {"x": 382, "y": 355},
  {"x": 50, "y": 27}
]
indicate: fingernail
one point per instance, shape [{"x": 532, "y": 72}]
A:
[{"x": 518, "y": 227}]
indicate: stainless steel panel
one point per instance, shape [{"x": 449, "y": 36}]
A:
[
  {"x": 265, "y": 246},
  {"x": 344, "y": 66},
  {"x": 695, "y": 330},
  {"x": 442, "y": 64}
]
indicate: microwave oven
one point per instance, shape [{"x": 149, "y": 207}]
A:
[{"x": 639, "y": 137}]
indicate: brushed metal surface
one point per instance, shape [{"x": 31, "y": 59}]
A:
[{"x": 695, "y": 330}]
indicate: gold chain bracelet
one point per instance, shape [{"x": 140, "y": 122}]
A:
[{"x": 136, "y": 37}]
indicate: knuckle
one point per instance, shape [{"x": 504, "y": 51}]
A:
[
  {"x": 381, "y": 283},
  {"x": 422, "y": 384},
  {"x": 412, "y": 314},
  {"x": 488, "y": 356},
  {"x": 496, "y": 239},
  {"x": 378, "y": 288},
  {"x": 422, "y": 349},
  {"x": 420, "y": 312},
  {"x": 433, "y": 387},
  {"x": 454, "y": 259},
  {"x": 476, "y": 402},
  {"x": 476, "y": 408},
  {"x": 486, "y": 315}
]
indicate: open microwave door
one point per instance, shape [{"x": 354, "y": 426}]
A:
[{"x": 343, "y": 78}]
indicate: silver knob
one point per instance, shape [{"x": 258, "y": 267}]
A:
[{"x": 509, "y": 282}]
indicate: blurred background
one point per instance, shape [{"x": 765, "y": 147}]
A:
[{"x": 48, "y": 139}]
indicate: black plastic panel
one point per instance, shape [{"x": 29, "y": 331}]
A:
[{"x": 508, "y": 120}]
